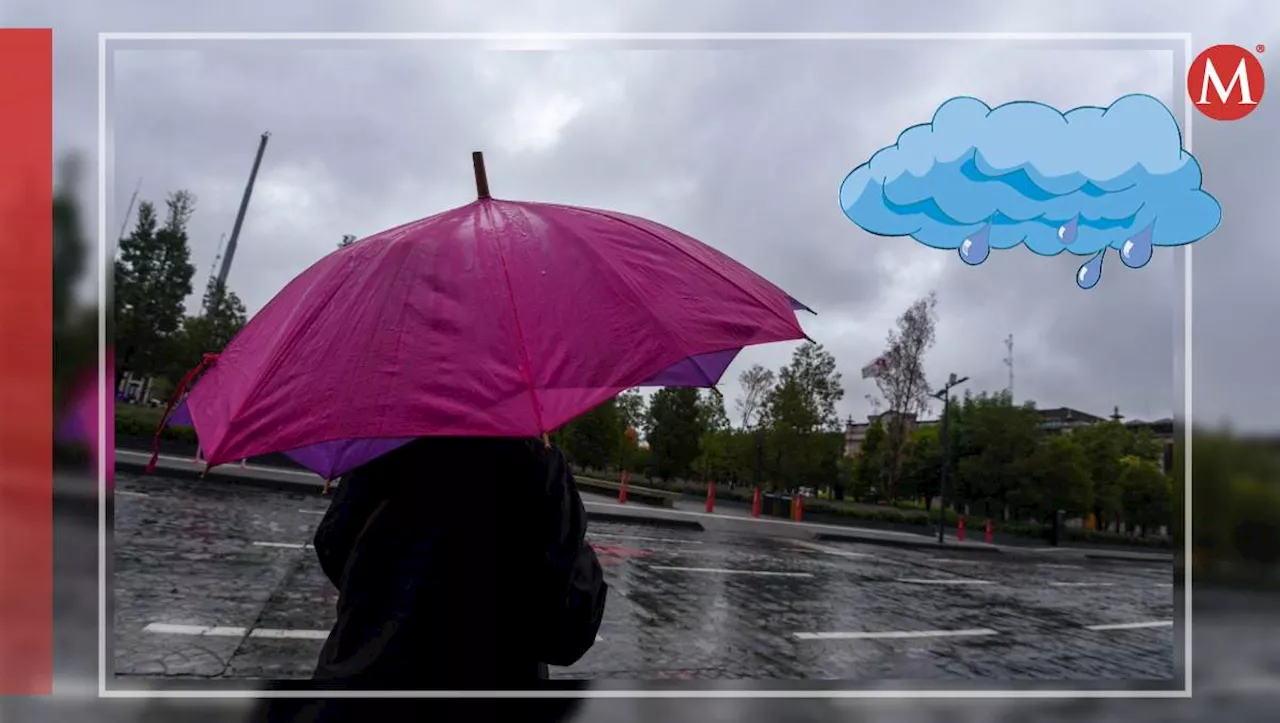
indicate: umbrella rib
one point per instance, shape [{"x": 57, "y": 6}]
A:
[
  {"x": 526, "y": 366},
  {"x": 618, "y": 218}
]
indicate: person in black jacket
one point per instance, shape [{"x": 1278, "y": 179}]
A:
[{"x": 461, "y": 563}]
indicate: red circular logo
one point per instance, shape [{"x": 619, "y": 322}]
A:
[{"x": 1225, "y": 82}]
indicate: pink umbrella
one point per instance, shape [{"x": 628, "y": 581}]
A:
[{"x": 497, "y": 318}]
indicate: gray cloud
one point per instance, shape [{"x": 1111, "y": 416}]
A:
[{"x": 743, "y": 148}]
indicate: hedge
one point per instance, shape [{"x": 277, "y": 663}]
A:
[
  {"x": 905, "y": 513},
  {"x": 134, "y": 421}
]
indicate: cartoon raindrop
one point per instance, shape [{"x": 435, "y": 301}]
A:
[
  {"x": 1136, "y": 250},
  {"x": 1067, "y": 231},
  {"x": 1090, "y": 273},
  {"x": 976, "y": 247}
]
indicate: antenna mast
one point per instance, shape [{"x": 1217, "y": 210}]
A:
[{"x": 1008, "y": 361}]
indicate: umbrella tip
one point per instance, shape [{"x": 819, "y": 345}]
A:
[{"x": 482, "y": 179}]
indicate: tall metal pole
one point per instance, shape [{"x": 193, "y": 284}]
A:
[
  {"x": 946, "y": 462},
  {"x": 1008, "y": 360},
  {"x": 244, "y": 206},
  {"x": 945, "y": 396}
]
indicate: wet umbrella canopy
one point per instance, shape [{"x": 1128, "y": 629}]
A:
[{"x": 497, "y": 318}]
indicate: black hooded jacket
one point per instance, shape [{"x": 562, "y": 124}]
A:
[{"x": 460, "y": 564}]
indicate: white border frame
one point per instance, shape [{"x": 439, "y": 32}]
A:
[{"x": 552, "y": 39}]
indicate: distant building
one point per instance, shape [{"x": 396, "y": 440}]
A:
[
  {"x": 856, "y": 432},
  {"x": 1065, "y": 418},
  {"x": 1163, "y": 430}
]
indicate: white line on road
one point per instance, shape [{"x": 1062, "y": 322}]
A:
[
  {"x": 286, "y": 545},
  {"x": 1132, "y": 626},
  {"x": 217, "y": 631},
  {"x": 723, "y": 571},
  {"x": 958, "y": 581},
  {"x": 812, "y": 547},
  {"x": 290, "y": 634},
  {"x": 220, "y": 631},
  {"x": 1164, "y": 584},
  {"x": 1082, "y": 584},
  {"x": 312, "y": 512},
  {"x": 950, "y": 560},
  {"x": 641, "y": 537},
  {"x": 1051, "y": 566},
  {"x": 896, "y": 634},
  {"x": 129, "y": 493}
]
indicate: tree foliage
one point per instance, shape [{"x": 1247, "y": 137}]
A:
[
  {"x": 902, "y": 383},
  {"x": 756, "y": 384},
  {"x": 152, "y": 281},
  {"x": 674, "y": 431}
]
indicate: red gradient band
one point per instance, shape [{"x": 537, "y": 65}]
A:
[{"x": 26, "y": 362}]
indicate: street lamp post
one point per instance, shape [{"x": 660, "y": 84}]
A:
[{"x": 945, "y": 395}]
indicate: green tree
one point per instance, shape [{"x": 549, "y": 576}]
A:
[
  {"x": 798, "y": 410},
  {"x": 152, "y": 281},
  {"x": 631, "y": 409},
  {"x": 1057, "y": 478},
  {"x": 902, "y": 382},
  {"x": 224, "y": 316},
  {"x": 594, "y": 439},
  {"x": 674, "y": 431},
  {"x": 922, "y": 467},
  {"x": 1146, "y": 494},
  {"x": 1104, "y": 444},
  {"x": 993, "y": 441},
  {"x": 871, "y": 463},
  {"x": 347, "y": 240}
]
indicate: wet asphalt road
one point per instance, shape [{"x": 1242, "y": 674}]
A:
[{"x": 214, "y": 581}]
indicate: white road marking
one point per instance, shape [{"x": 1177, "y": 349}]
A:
[
  {"x": 896, "y": 634},
  {"x": 290, "y": 634},
  {"x": 958, "y": 581},
  {"x": 218, "y": 631},
  {"x": 129, "y": 493},
  {"x": 286, "y": 545},
  {"x": 1164, "y": 584},
  {"x": 1132, "y": 626},
  {"x": 209, "y": 630},
  {"x": 949, "y": 560},
  {"x": 643, "y": 538},
  {"x": 1051, "y": 566},
  {"x": 723, "y": 571},
  {"x": 312, "y": 512},
  {"x": 1082, "y": 584},
  {"x": 813, "y": 547}
]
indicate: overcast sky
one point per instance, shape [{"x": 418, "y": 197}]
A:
[{"x": 741, "y": 145}]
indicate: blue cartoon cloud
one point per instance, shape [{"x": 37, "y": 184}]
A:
[{"x": 978, "y": 178}]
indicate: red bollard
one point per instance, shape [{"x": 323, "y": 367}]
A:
[
  {"x": 755, "y": 503},
  {"x": 711, "y": 497},
  {"x": 799, "y": 507},
  {"x": 622, "y": 489},
  {"x": 988, "y": 532},
  {"x": 960, "y": 529}
]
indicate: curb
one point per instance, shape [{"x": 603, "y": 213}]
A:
[
  {"x": 228, "y": 475},
  {"x": 1136, "y": 557},
  {"x": 643, "y": 520},
  {"x": 216, "y": 475},
  {"x": 891, "y": 542}
]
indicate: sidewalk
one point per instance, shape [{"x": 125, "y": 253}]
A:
[{"x": 733, "y": 521}]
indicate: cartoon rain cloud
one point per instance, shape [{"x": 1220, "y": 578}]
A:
[{"x": 978, "y": 178}]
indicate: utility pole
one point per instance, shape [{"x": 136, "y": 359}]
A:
[
  {"x": 244, "y": 206},
  {"x": 1008, "y": 361},
  {"x": 945, "y": 395}
]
